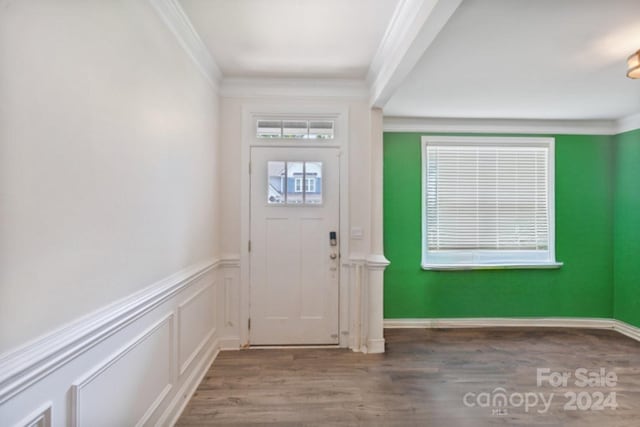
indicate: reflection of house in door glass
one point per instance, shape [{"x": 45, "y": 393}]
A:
[{"x": 294, "y": 183}]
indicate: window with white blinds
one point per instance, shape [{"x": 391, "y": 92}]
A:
[{"x": 487, "y": 202}]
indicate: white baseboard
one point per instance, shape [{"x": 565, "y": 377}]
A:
[
  {"x": 229, "y": 343},
  {"x": 375, "y": 346},
  {"x": 183, "y": 396},
  {"x": 627, "y": 329},
  {"x": 162, "y": 338},
  {"x": 522, "y": 322}
]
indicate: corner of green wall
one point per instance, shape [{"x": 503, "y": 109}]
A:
[{"x": 627, "y": 228}]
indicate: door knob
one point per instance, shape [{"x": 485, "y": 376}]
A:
[{"x": 333, "y": 256}]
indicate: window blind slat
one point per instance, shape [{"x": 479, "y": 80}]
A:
[{"x": 486, "y": 197}]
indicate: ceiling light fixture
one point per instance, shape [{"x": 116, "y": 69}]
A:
[{"x": 634, "y": 66}]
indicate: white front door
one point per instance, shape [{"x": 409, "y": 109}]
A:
[{"x": 294, "y": 260}]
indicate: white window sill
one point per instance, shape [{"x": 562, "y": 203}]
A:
[{"x": 509, "y": 266}]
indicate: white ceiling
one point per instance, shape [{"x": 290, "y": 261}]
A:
[
  {"x": 495, "y": 59},
  {"x": 291, "y": 38},
  {"x": 542, "y": 59}
]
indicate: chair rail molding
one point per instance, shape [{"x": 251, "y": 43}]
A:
[{"x": 189, "y": 315}]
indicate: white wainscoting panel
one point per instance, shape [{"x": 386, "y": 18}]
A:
[
  {"x": 135, "y": 362},
  {"x": 41, "y": 417},
  {"x": 355, "y": 276},
  {"x": 128, "y": 386},
  {"x": 196, "y": 324},
  {"x": 228, "y": 289},
  {"x": 229, "y": 303}
]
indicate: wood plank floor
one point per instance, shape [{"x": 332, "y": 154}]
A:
[{"x": 422, "y": 380}]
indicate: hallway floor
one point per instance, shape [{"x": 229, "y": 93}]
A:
[{"x": 445, "y": 377}]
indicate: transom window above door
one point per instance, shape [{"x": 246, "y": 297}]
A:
[
  {"x": 294, "y": 183},
  {"x": 295, "y": 129}
]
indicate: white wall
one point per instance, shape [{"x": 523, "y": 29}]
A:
[
  {"x": 108, "y": 160},
  {"x": 111, "y": 284}
]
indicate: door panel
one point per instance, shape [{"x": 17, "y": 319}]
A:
[{"x": 294, "y": 268}]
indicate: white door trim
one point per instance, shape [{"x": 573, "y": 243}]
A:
[{"x": 250, "y": 112}]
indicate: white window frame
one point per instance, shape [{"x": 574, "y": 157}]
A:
[
  {"x": 303, "y": 134},
  {"x": 490, "y": 259},
  {"x": 310, "y": 185}
]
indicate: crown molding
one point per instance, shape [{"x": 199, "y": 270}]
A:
[
  {"x": 525, "y": 126},
  {"x": 178, "y": 22},
  {"x": 277, "y": 87},
  {"x": 412, "y": 28},
  {"x": 628, "y": 123},
  {"x": 393, "y": 35}
]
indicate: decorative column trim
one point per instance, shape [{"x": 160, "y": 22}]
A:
[{"x": 376, "y": 262}]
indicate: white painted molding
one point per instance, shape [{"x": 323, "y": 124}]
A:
[
  {"x": 355, "y": 259},
  {"x": 229, "y": 261},
  {"x": 376, "y": 261},
  {"x": 461, "y": 125},
  {"x": 189, "y": 387},
  {"x": 178, "y": 22},
  {"x": 41, "y": 417},
  {"x": 500, "y": 322},
  {"x": 283, "y": 106},
  {"x": 354, "y": 277},
  {"x": 413, "y": 27},
  {"x": 276, "y": 87},
  {"x": 79, "y": 385},
  {"x": 229, "y": 343},
  {"x": 30, "y": 363},
  {"x": 517, "y": 322},
  {"x": 394, "y": 35},
  {"x": 375, "y": 346},
  {"x": 628, "y": 123},
  {"x": 627, "y": 329},
  {"x": 186, "y": 363}
]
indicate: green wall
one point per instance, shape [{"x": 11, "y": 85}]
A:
[
  {"x": 627, "y": 228},
  {"x": 584, "y": 242}
]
